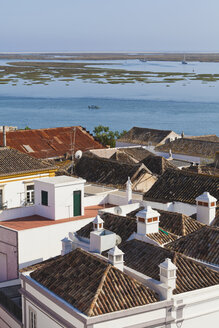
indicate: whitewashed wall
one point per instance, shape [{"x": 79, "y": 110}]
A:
[
  {"x": 14, "y": 189},
  {"x": 39, "y": 244},
  {"x": 7, "y": 320}
]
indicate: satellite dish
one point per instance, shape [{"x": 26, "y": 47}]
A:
[
  {"x": 118, "y": 210},
  {"x": 78, "y": 154}
]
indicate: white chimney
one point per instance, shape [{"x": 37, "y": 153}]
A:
[
  {"x": 170, "y": 154},
  {"x": 115, "y": 257},
  {"x": 129, "y": 191},
  {"x": 168, "y": 273},
  {"x": 66, "y": 246},
  {"x": 98, "y": 223},
  {"x": 206, "y": 208},
  {"x": 147, "y": 221}
]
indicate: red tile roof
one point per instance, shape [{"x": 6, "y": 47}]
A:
[
  {"x": 36, "y": 221},
  {"x": 50, "y": 143}
]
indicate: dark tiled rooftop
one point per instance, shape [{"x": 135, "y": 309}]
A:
[
  {"x": 202, "y": 245},
  {"x": 92, "y": 285},
  {"x": 108, "y": 172},
  {"x": 191, "y": 147},
  {"x": 144, "y": 136},
  {"x": 157, "y": 164},
  {"x": 125, "y": 226},
  {"x": 182, "y": 186},
  {"x": 15, "y": 162},
  {"x": 146, "y": 258}
]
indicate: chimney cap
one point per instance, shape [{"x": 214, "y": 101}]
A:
[
  {"x": 98, "y": 220},
  {"x": 115, "y": 251},
  {"x": 167, "y": 265},
  {"x": 147, "y": 212},
  {"x": 206, "y": 197}
]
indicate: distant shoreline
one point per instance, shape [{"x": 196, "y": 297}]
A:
[{"x": 147, "y": 56}]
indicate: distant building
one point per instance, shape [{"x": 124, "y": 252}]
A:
[
  {"x": 53, "y": 143},
  {"x": 149, "y": 138},
  {"x": 190, "y": 149},
  {"x": 114, "y": 173}
]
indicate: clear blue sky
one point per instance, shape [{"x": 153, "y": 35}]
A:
[{"x": 112, "y": 25}]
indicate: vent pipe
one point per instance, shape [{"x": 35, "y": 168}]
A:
[{"x": 4, "y": 136}]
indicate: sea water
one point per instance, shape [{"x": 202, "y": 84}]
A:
[{"x": 189, "y": 106}]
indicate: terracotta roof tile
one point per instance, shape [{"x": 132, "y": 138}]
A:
[
  {"x": 146, "y": 258},
  {"x": 92, "y": 285},
  {"x": 144, "y": 136},
  {"x": 125, "y": 226},
  {"x": 182, "y": 186},
  {"x": 15, "y": 162},
  {"x": 50, "y": 143},
  {"x": 191, "y": 147},
  {"x": 157, "y": 164},
  {"x": 202, "y": 245},
  {"x": 109, "y": 172}
]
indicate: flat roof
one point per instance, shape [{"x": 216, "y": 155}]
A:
[
  {"x": 97, "y": 189},
  {"x": 62, "y": 179},
  {"x": 37, "y": 221}
]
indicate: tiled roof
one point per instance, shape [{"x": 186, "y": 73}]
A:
[
  {"x": 182, "y": 186},
  {"x": 138, "y": 153},
  {"x": 191, "y": 147},
  {"x": 92, "y": 285},
  {"x": 15, "y": 162},
  {"x": 215, "y": 222},
  {"x": 50, "y": 143},
  {"x": 145, "y": 258},
  {"x": 208, "y": 137},
  {"x": 122, "y": 156},
  {"x": 202, "y": 245},
  {"x": 157, "y": 164},
  {"x": 125, "y": 226},
  {"x": 108, "y": 172},
  {"x": 175, "y": 223},
  {"x": 121, "y": 225},
  {"x": 144, "y": 136}
]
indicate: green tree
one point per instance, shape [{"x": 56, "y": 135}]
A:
[{"x": 107, "y": 137}]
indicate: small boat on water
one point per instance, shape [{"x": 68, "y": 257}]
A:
[
  {"x": 184, "y": 62},
  {"x": 143, "y": 60},
  {"x": 93, "y": 107}
]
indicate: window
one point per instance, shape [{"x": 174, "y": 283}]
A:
[
  {"x": 213, "y": 204},
  {"x": 155, "y": 219},
  {"x": 100, "y": 225},
  {"x": 30, "y": 194},
  {"x": 95, "y": 226},
  {"x": 150, "y": 220},
  {"x": 141, "y": 220},
  {"x": 44, "y": 198},
  {"x": 203, "y": 204},
  {"x": 32, "y": 318}
]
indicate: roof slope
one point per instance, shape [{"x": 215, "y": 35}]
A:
[
  {"x": 108, "y": 172},
  {"x": 145, "y": 258},
  {"x": 172, "y": 222},
  {"x": 121, "y": 225},
  {"x": 182, "y": 186},
  {"x": 14, "y": 162},
  {"x": 202, "y": 245},
  {"x": 207, "y": 137},
  {"x": 215, "y": 222},
  {"x": 50, "y": 143},
  {"x": 177, "y": 223},
  {"x": 144, "y": 136},
  {"x": 125, "y": 226},
  {"x": 122, "y": 156},
  {"x": 138, "y": 153},
  {"x": 191, "y": 147},
  {"x": 92, "y": 285},
  {"x": 157, "y": 164}
]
